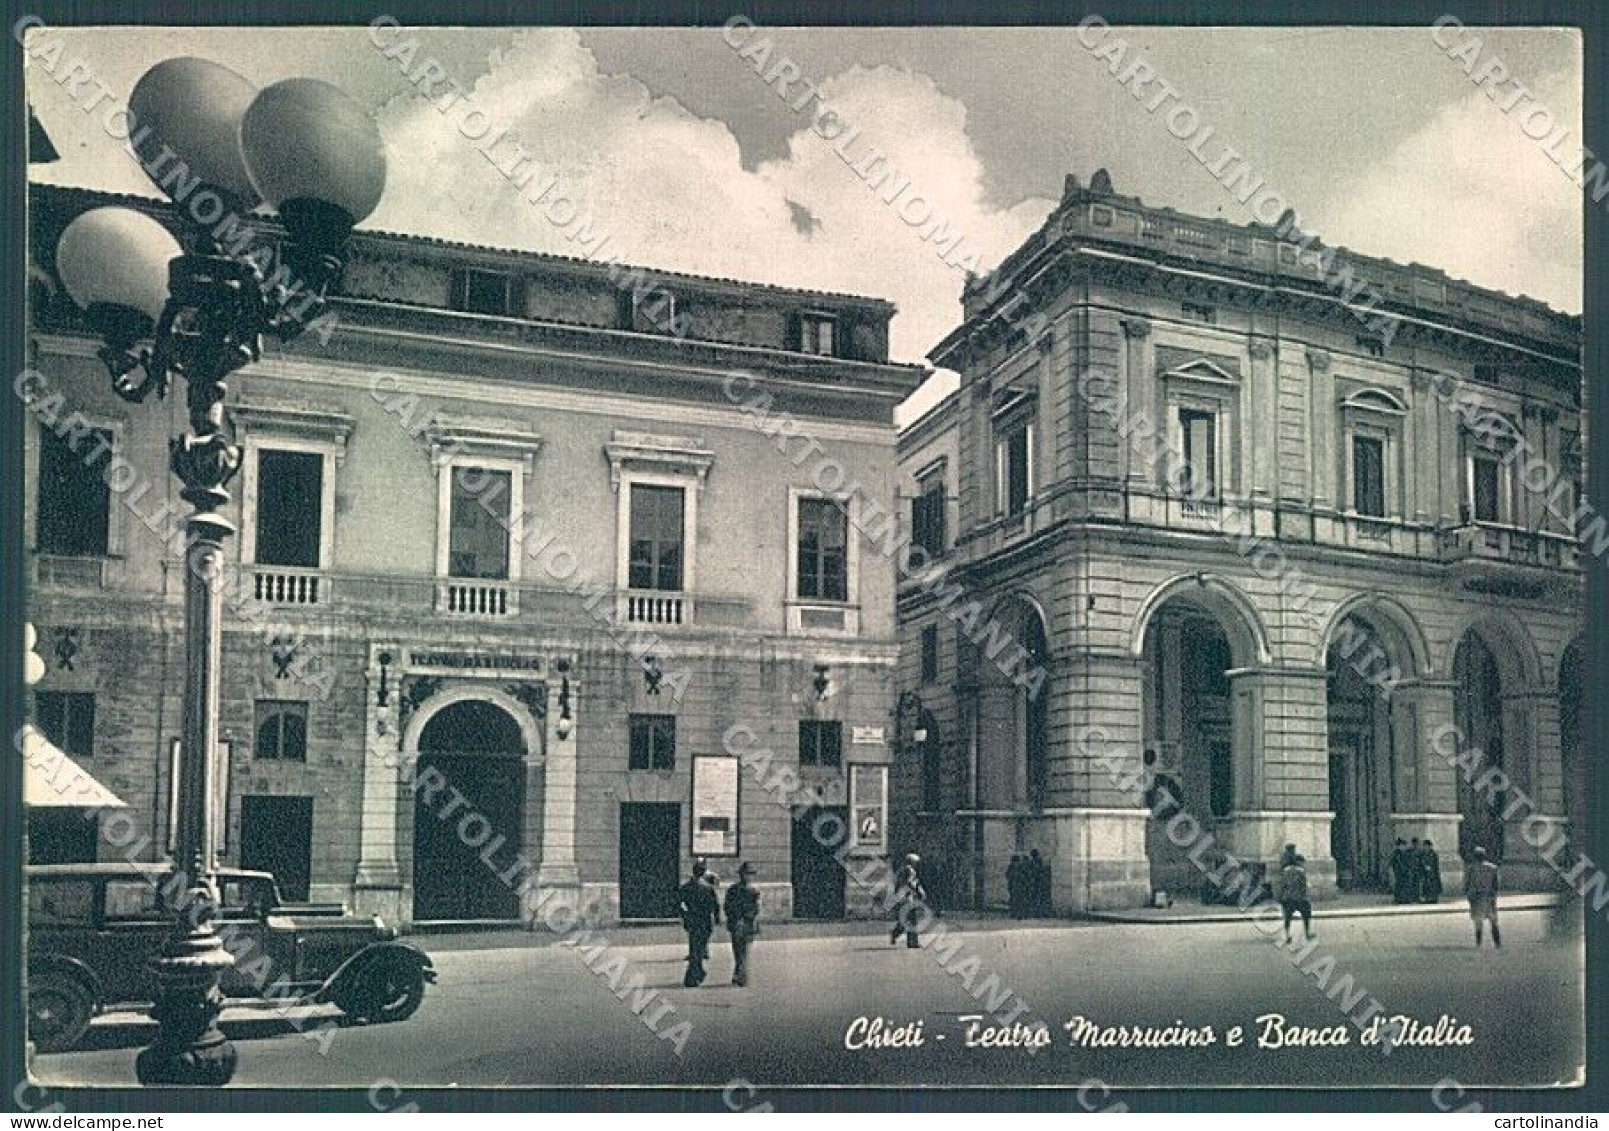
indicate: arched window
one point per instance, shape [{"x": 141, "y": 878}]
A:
[{"x": 281, "y": 731}]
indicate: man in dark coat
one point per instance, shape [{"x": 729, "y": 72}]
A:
[
  {"x": 1038, "y": 884},
  {"x": 1480, "y": 886},
  {"x": 742, "y": 921},
  {"x": 1014, "y": 885},
  {"x": 1402, "y": 873},
  {"x": 1430, "y": 873},
  {"x": 701, "y": 914}
]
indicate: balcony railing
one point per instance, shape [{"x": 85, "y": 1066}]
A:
[
  {"x": 652, "y": 606},
  {"x": 279, "y": 585},
  {"x": 1488, "y": 542},
  {"x": 463, "y": 597}
]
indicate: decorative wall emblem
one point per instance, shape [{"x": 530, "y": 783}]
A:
[
  {"x": 652, "y": 674},
  {"x": 414, "y": 692},
  {"x": 283, "y": 649},
  {"x": 67, "y": 648},
  {"x": 533, "y": 695}
]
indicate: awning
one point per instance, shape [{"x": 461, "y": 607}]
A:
[{"x": 52, "y": 780}]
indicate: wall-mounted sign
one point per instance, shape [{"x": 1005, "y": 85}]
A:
[
  {"x": 868, "y": 805},
  {"x": 866, "y": 736},
  {"x": 477, "y": 661},
  {"x": 715, "y": 789}
]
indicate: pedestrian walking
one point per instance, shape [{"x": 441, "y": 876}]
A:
[
  {"x": 910, "y": 901},
  {"x": 1402, "y": 873},
  {"x": 1430, "y": 870},
  {"x": 1480, "y": 886},
  {"x": 701, "y": 914},
  {"x": 1014, "y": 885},
  {"x": 1039, "y": 883},
  {"x": 742, "y": 905},
  {"x": 1292, "y": 893}
]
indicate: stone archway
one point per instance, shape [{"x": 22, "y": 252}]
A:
[
  {"x": 1197, "y": 637},
  {"x": 469, "y": 756},
  {"x": 1369, "y": 652}
]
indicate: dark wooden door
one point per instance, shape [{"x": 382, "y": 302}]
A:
[
  {"x": 451, "y": 879},
  {"x": 818, "y": 878},
  {"x": 276, "y": 835},
  {"x": 650, "y": 859}
]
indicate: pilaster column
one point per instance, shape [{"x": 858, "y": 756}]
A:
[
  {"x": 1321, "y": 436},
  {"x": 377, "y": 886},
  {"x": 1139, "y": 395},
  {"x": 1261, "y": 413},
  {"x": 557, "y": 878},
  {"x": 1281, "y": 768}
]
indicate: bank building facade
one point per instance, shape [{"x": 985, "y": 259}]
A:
[
  {"x": 518, "y": 543},
  {"x": 1269, "y": 519}
]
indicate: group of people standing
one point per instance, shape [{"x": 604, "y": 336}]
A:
[
  {"x": 1415, "y": 872},
  {"x": 1028, "y": 885},
  {"x": 702, "y": 907}
]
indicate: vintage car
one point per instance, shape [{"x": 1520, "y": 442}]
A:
[{"x": 94, "y": 928}]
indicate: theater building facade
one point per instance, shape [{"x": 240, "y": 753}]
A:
[
  {"x": 517, "y": 545},
  {"x": 1269, "y": 518}
]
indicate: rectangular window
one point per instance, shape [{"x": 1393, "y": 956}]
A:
[
  {"x": 62, "y": 903},
  {"x": 927, "y": 516},
  {"x": 67, "y": 718},
  {"x": 1485, "y": 474},
  {"x": 821, "y": 742},
  {"x": 281, "y": 731},
  {"x": 290, "y": 507},
  {"x": 653, "y": 742},
  {"x": 74, "y": 499},
  {"x": 1199, "y": 430},
  {"x": 133, "y": 901},
  {"x": 818, "y": 334},
  {"x": 477, "y": 291},
  {"x": 1368, "y": 476},
  {"x": 930, "y": 653},
  {"x": 823, "y": 550},
  {"x": 1013, "y": 470},
  {"x": 478, "y": 540},
  {"x": 656, "y": 537}
]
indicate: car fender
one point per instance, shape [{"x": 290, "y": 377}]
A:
[
  {"x": 353, "y": 968},
  {"x": 72, "y": 967}
]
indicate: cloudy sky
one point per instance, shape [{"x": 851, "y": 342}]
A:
[{"x": 690, "y": 161}]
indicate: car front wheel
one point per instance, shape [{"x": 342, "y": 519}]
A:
[
  {"x": 391, "y": 992},
  {"x": 59, "y": 1011}
]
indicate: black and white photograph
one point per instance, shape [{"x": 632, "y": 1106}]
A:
[{"x": 753, "y": 558}]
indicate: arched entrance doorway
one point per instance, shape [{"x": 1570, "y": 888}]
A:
[
  {"x": 476, "y": 748},
  {"x": 1361, "y": 668},
  {"x": 1572, "y": 748},
  {"x": 1188, "y": 748},
  {"x": 1478, "y": 714}
]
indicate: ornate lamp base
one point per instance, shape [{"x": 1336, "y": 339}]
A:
[{"x": 190, "y": 1050}]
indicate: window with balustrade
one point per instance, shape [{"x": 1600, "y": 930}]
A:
[
  {"x": 290, "y": 497},
  {"x": 658, "y": 537}
]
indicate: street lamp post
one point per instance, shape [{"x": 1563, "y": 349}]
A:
[{"x": 307, "y": 150}]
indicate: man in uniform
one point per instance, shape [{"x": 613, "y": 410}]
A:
[
  {"x": 742, "y": 920},
  {"x": 1014, "y": 885},
  {"x": 1401, "y": 873},
  {"x": 1480, "y": 885},
  {"x": 1038, "y": 884},
  {"x": 1432, "y": 880},
  {"x": 701, "y": 914}
]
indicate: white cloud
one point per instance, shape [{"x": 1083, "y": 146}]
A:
[
  {"x": 670, "y": 188},
  {"x": 1471, "y": 194}
]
